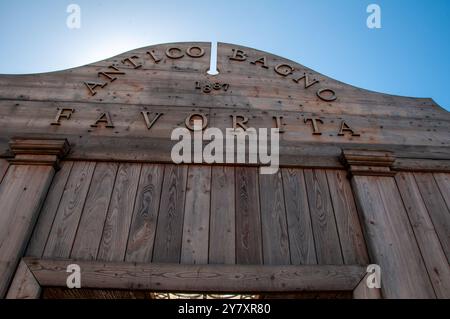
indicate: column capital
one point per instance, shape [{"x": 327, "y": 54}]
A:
[
  {"x": 368, "y": 163},
  {"x": 29, "y": 151}
]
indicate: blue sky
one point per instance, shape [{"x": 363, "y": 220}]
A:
[{"x": 408, "y": 56}]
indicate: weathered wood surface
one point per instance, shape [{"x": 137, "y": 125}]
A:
[
  {"x": 48, "y": 212},
  {"x": 197, "y": 215},
  {"x": 3, "y": 168},
  {"x": 301, "y": 238},
  {"x": 275, "y": 236},
  {"x": 326, "y": 237},
  {"x": 390, "y": 238},
  {"x": 194, "y": 278},
  {"x": 350, "y": 233},
  {"x": 194, "y": 249},
  {"x": 425, "y": 233},
  {"x": 443, "y": 182},
  {"x": 415, "y": 129},
  {"x": 143, "y": 227},
  {"x": 120, "y": 212},
  {"x": 362, "y": 291},
  {"x": 22, "y": 193},
  {"x": 65, "y": 224},
  {"x": 169, "y": 229},
  {"x": 223, "y": 219},
  {"x": 24, "y": 285},
  {"x": 248, "y": 217},
  {"x": 437, "y": 208},
  {"x": 87, "y": 240}
]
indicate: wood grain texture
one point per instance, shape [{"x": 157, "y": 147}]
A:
[
  {"x": 222, "y": 238},
  {"x": 427, "y": 239},
  {"x": 362, "y": 291},
  {"x": 118, "y": 220},
  {"x": 416, "y": 129},
  {"x": 390, "y": 239},
  {"x": 3, "y": 168},
  {"x": 145, "y": 216},
  {"x": 87, "y": 240},
  {"x": 61, "y": 237},
  {"x": 275, "y": 238},
  {"x": 47, "y": 215},
  {"x": 437, "y": 208},
  {"x": 301, "y": 237},
  {"x": 169, "y": 228},
  {"x": 443, "y": 182},
  {"x": 24, "y": 285},
  {"x": 248, "y": 217},
  {"x": 326, "y": 237},
  {"x": 194, "y": 249},
  {"x": 22, "y": 193},
  {"x": 58, "y": 293},
  {"x": 207, "y": 278},
  {"x": 350, "y": 233}
]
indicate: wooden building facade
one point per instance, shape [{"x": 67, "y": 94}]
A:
[{"x": 86, "y": 178}]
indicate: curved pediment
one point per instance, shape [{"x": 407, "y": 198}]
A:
[
  {"x": 172, "y": 80},
  {"x": 174, "y": 74}
]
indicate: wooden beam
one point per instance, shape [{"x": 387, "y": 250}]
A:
[
  {"x": 24, "y": 285},
  {"x": 194, "y": 278}
]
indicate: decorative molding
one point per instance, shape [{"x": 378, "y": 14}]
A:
[
  {"x": 368, "y": 163},
  {"x": 38, "y": 151},
  {"x": 194, "y": 278}
]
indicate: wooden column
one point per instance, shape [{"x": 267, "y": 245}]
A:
[
  {"x": 22, "y": 192},
  {"x": 387, "y": 230}
]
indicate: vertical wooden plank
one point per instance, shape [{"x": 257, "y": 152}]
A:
[
  {"x": 362, "y": 291},
  {"x": 326, "y": 236},
  {"x": 24, "y": 285},
  {"x": 443, "y": 182},
  {"x": 273, "y": 220},
  {"x": 145, "y": 216},
  {"x": 22, "y": 193},
  {"x": 350, "y": 233},
  {"x": 170, "y": 220},
  {"x": 3, "y": 168},
  {"x": 194, "y": 249},
  {"x": 248, "y": 218},
  {"x": 89, "y": 234},
  {"x": 301, "y": 238},
  {"x": 390, "y": 240},
  {"x": 118, "y": 220},
  {"x": 48, "y": 211},
  {"x": 438, "y": 210},
  {"x": 62, "y": 234},
  {"x": 427, "y": 239},
  {"x": 222, "y": 246}
]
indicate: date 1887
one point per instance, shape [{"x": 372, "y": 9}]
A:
[{"x": 210, "y": 87}]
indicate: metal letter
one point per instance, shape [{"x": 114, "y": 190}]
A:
[
  {"x": 346, "y": 128},
  {"x": 147, "y": 120},
  {"x": 192, "y": 54},
  {"x": 93, "y": 85},
  {"x": 188, "y": 120},
  {"x": 238, "y": 55},
  {"x": 307, "y": 83},
  {"x": 262, "y": 60},
  {"x": 132, "y": 62},
  {"x": 241, "y": 123},
  {"x": 104, "y": 118},
  {"x": 171, "y": 55},
  {"x": 327, "y": 99},
  {"x": 61, "y": 114},
  {"x": 315, "y": 126},
  {"x": 288, "y": 69}
]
